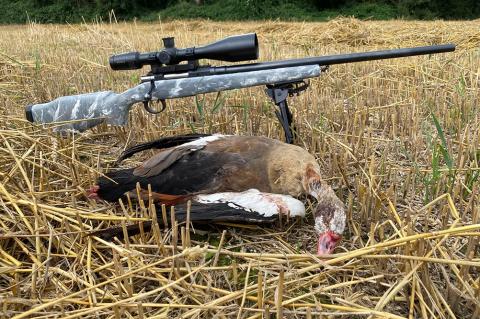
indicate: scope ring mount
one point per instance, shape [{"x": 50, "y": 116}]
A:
[{"x": 279, "y": 92}]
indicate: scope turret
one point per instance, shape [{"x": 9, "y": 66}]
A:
[{"x": 231, "y": 49}]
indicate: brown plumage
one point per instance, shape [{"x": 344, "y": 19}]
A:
[{"x": 218, "y": 163}]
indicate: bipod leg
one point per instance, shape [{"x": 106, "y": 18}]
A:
[
  {"x": 285, "y": 118},
  {"x": 279, "y": 94}
]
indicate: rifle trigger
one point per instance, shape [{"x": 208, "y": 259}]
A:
[{"x": 148, "y": 98}]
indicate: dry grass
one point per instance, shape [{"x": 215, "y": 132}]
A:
[{"x": 411, "y": 187}]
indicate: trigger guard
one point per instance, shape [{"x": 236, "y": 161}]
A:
[{"x": 147, "y": 107}]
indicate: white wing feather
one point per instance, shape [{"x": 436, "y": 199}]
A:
[{"x": 265, "y": 204}]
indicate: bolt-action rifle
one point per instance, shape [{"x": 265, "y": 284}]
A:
[{"x": 169, "y": 78}]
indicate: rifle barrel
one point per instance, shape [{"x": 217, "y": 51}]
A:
[{"x": 334, "y": 59}]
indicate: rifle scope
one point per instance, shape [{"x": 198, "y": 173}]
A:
[{"x": 231, "y": 49}]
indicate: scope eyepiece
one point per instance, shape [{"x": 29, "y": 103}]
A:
[{"x": 231, "y": 49}]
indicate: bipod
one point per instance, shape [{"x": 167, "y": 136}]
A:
[{"x": 279, "y": 92}]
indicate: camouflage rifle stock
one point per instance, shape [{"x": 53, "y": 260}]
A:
[{"x": 169, "y": 79}]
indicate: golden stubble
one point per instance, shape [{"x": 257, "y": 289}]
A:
[{"x": 410, "y": 186}]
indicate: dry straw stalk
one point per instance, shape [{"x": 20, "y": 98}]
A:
[{"x": 398, "y": 139}]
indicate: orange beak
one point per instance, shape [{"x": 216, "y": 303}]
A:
[{"x": 327, "y": 243}]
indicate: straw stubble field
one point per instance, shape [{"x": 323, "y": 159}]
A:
[{"x": 397, "y": 139}]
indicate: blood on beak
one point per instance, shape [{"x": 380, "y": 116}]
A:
[
  {"x": 327, "y": 243},
  {"x": 92, "y": 192}
]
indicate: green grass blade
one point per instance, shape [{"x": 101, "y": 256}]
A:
[{"x": 444, "y": 147}]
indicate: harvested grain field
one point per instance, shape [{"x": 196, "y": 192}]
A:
[{"x": 399, "y": 141}]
